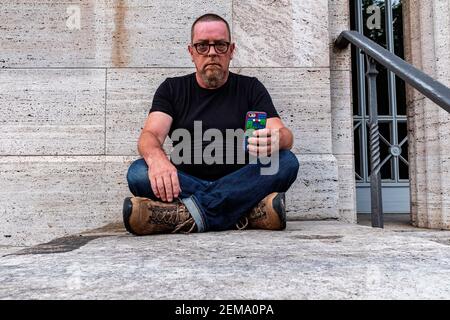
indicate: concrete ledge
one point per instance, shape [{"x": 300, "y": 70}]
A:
[{"x": 310, "y": 260}]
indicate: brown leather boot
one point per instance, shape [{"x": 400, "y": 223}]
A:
[
  {"x": 143, "y": 216},
  {"x": 268, "y": 214}
]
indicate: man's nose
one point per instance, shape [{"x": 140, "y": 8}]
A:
[{"x": 212, "y": 51}]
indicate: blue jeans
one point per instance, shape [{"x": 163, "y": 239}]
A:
[{"x": 218, "y": 205}]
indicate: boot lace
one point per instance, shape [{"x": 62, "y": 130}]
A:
[
  {"x": 242, "y": 223},
  {"x": 175, "y": 217},
  {"x": 258, "y": 212}
]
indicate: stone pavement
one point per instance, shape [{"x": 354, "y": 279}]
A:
[{"x": 310, "y": 260}]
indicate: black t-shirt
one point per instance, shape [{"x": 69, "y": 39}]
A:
[{"x": 224, "y": 108}]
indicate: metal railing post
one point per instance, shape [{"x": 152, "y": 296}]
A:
[{"x": 375, "y": 176}]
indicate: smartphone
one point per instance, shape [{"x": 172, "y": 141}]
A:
[{"x": 254, "y": 120}]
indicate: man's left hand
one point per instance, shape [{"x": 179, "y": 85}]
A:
[{"x": 264, "y": 142}]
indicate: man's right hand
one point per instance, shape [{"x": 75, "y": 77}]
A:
[
  {"x": 164, "y": 178},
  {"x": 162, "y": 173}
]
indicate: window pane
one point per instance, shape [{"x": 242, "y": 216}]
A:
[{"x": 358, "y": 158}]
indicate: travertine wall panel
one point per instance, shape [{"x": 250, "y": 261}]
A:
[
  {"x": 286, "y": 33},
  {"x": 74, "y": 100},
  {"x": 52, "y": 111},
  {"x": 427, "y": 34},
  {"x": 45, "y": 197}
]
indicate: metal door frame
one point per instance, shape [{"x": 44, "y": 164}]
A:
[{"x": 395, "y": 191}]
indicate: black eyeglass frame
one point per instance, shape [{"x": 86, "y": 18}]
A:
[{"x": 215, "y": 44}]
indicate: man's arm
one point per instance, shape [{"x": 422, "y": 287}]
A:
[
  {"x": 286, "y": 138},
  {"x": 163, "y": 175},
  {"x": 153, "y": 135}
]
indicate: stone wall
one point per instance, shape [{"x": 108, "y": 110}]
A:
[
  {"x": 74, "y": 100},
  {"x": 427, "y": 47}
]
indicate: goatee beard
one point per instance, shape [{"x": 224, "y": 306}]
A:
[{"x": 213, "y": 78}]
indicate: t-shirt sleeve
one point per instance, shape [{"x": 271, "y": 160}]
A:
[
  {"x": 162, "y": 100},
  {"x": 261, "y": 100}
]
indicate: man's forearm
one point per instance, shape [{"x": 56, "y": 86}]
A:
[
  {"x": 150, "y": 147},
  {"x": 286, "y": 139}
]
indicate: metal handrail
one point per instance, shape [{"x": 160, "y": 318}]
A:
[{"x": 429, "y": 87}]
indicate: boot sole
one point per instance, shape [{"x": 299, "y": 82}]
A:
[
  {"x": 279, "y": 204},
  {"x": 127, "y": 210}
]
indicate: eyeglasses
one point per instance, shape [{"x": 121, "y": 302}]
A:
[{"x": 203, "y": 47}]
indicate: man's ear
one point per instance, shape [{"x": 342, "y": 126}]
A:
[
  {"x": 191, "y": 52},
  {"x": 232, "y": 48}
]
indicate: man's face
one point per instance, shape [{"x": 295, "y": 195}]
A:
[{"x": 212, "y": 66}]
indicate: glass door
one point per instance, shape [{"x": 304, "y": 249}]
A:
[{"x": 381, "y": 20}]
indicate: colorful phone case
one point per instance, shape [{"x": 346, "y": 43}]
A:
[{"x": 254, "y": 120}]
